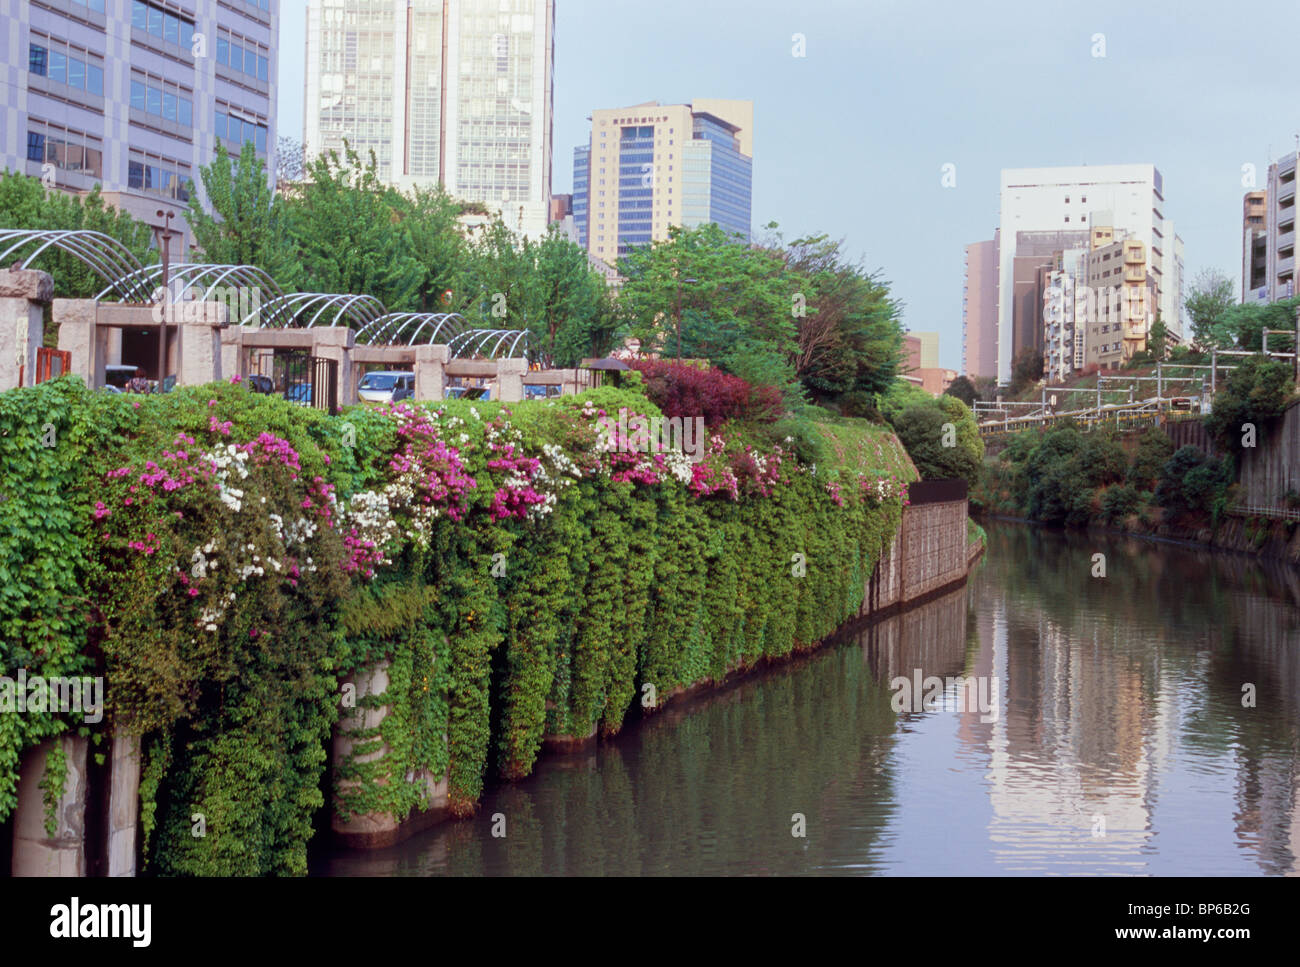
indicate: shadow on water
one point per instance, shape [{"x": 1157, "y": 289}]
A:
[{"x": 1118, "y": 742}]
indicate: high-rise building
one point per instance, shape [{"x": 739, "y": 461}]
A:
[
  {"x": 1254, "y": 246},
  {"x": 452, "y": 91},
  {"x": 651, "y": 166},
  {"x": 1279, "y": 263},
  {"x": 979, "y": 310},
  {"x": 133, "y": 95},
  {"x": 1064, "y": 199}
]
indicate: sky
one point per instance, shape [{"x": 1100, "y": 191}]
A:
[{"x": 851, "y": 139}]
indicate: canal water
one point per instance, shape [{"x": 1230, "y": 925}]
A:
[{"x": 1144, "y": 722}]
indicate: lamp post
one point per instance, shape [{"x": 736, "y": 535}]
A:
[{"x": 163, "y": 233}]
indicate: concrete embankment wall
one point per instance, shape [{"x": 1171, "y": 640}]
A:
[
  {"x": 99, "y": 834},
  {"x": 1272, "y": 467}
]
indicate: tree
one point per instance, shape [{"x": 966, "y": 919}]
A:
[
  {"x": 1026, "y": 369},
  {"x": 963, "y": 389},
  {"x": 942, "y": 439},
  {"x": 251, "y": 225},
  {"x": 350, "y": 233},
  {"x": 1256, "y": 392},
  {"x": 24, "y": 203},
  {"x": 1207, "y": 304}
]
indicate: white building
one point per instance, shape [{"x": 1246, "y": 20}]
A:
[
  {"x": 457, "y": 91},
  {"x": 1063, "y": 199}
]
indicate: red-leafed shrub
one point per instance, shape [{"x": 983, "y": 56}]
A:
[{"x": 682, "y": 390}]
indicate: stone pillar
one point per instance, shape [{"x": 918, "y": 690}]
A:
[
  {"x": 123, "y": 804},
  {"x": 372, "y": 830},
  {"x": 36, "y": 853},
  {"x": 431, "y": 372},
  {"x": 336, "y": 342},
  {"x": 510, "y": 379},
  {"x": 24, "y": 293},
  {"x": 78, "y": 335},
  {"x": 199, "y": 342},
  {"x": 232, "y": 352}
]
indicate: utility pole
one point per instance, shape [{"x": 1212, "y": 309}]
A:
[{"x": 163, "y": 233}]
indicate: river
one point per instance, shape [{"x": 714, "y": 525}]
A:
[{"x": 1116, "y": 741}]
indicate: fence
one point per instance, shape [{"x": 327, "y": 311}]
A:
[
  {"x": 301, "y": 378},
  {"x": 46, "y": 368}
]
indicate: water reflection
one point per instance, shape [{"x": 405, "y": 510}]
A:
[{"x": 1119, "y": 743}]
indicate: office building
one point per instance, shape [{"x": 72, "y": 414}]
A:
[
  {"x": 1064, "y": 199},
  {"x": 457, "y": 92},
  {"x": 1279, "y": 260},
  {"x": 979, "y": 310},
  {"x": 134, "y": 95},
  {"x": 652, "y": 166}
]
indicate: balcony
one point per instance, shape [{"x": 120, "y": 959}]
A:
[{"x": 1135, "y": 273}]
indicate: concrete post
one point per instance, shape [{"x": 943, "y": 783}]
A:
[
  {"x": 510, "y": 379},
  {"x": 78, "y": 335},
  {"x": 24, "y": 293},
  {"x": 199, "y": 343},
  {"x": 36, "y": 853},
  {"x": 336, "y": 342},
  {"x": 123, "y": 804},
  {"x": 232, "y": 352},
  {"x": 431, "y": 371}
]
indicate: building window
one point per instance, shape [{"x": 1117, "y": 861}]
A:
[
  {"x": 36, "y": 59},
  {"x": 35, "y": 146}
]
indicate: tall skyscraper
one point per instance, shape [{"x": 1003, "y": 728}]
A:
[
  {"x": 452, "y": 91},
  {"x": 979, "y": 310},
  {"x": 1063, "y": 200},
  {"x": 651, "y": 166},
  {"x": 133, "y": 95}
]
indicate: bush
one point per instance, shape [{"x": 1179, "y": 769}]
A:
[
  {"x": 923, "y": 430},
  {"x": 682, "y": 390},
  {"x": 1256, "y": 392},
  {"x": 1154, "y": 448},
  {"x": 1120, "y": 502},
  {"x": 1191, "y": 483}
]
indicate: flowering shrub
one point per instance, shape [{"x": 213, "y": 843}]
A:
[{"x": 688, "y": 391}]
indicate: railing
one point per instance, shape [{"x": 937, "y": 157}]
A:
[
  {"x": 1264, "y": 510},
  {"x": 45, "y": 365}
]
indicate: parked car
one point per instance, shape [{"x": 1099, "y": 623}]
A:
[
  {"x": 384, "y": 386},
  {"x": 468, "y": 393},
  {"x": 298, "y": 393},
  {"x": 260, "y": 384},
  {"x": 118, "y": 376}
]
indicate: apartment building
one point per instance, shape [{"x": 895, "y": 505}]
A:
[
  {"x": 651, "y": 166},
  {"x": 457, "y": 92},
  {"x": 1036, "y": 200},
  {"x": 1254, "y": 246},
  {"x": 979, "y": 310},
  {"x": 1279, "y": 225},
  {"x": 134, "y": 95}
]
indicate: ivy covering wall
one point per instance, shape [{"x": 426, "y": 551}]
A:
[{"x": 229, "y": 561}]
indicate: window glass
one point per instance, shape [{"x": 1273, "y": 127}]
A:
[
  {"x": 58, "y": 67},
  {"x": 223, "y": 51},
  {"x": 94, "y": 79},
  {"x": 77, "y": 73},
  {"x": 139, "y": 15},
  {"x": 97, "y": 6},
  {"x": 169, "y": 106},
  {"x": 261, "y": 138},
  {"x": 171, "y": 29},
  {"x": 135, "y": 175},
  {"x": 36, "y": 59},
  {"x": 74, "y": 157},
  {"x": 35, "y": 146},
  {"x": 187, "y": 35},
  {"x": 155, "y": 22},
  {"x": 221, "y": 124},
  {"x": 250, "y": 131},
  {"x": 137, "y": 95},
  {"x": 154, "y": 100},
  {"x": 263, "y": 68},
  {"x": 186, "y": 113},
  {"x": 95, "y": 161}
]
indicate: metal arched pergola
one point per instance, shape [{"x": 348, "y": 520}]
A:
[
  {"x": 473, "y": 342},
  {"x": 406, "y": 328},
  {"x": 306, "y": 310},
  {"x": 200, "y": 279},
  {"x": 102, "y": 254}
]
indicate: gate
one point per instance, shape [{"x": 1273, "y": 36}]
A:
[
  {"x": 300, "y": 378},
  {"x": 50, "y": 364}
]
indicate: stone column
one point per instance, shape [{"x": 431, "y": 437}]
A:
[
  {"x": 510, "y": 379},
  {"x": 36, "y": 853},
  {"x": 336, "y": 342},
  {"x": 24, "y": 293},
  {"x": 431, "y": 372},
  {"x": 199, "y": 342},
  {"x": 232, "y": 352},
  {"x": 78, "y": 335},
  {"x": 372, "y": 830},
  {"x": 123, "y": 804}
]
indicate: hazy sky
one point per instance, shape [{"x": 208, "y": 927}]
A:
[{"x": 851, "y": 138}]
